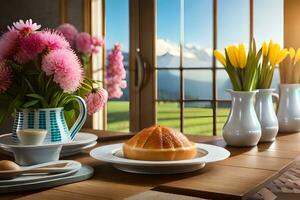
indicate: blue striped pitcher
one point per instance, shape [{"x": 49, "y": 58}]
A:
[{"x": 51, "y": 119}]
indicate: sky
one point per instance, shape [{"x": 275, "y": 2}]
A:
[{"x": 233, "y": 22}]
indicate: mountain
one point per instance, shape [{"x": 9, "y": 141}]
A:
[{"x": 198, "y": 83}]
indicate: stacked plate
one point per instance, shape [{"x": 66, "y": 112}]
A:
[{"x": 81, "y": 141}]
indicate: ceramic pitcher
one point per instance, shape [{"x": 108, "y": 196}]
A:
[
  {"x": 289, "y": 108},
  {"x": 242, "y": 127},
  {"x": 266, "y": 114},
  {"x": 51, "y": 119}
]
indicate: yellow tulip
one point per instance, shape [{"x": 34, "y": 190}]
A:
[
  {"x": 273, "y": 53},
  {"x": 282, "y": 54},
  {"x": 242, "y": 56},
  {"x": 297, "y": 56},
  {"x": 265, "y": 48},
  {"x": 231, "y": 51},
  {"x": 292, "y": 53},
  {"x": 220, "y": 56}
]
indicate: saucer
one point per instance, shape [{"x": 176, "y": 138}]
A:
[
  {"x": 113, "y": 154},
  {"x": 81, "y": 141}
]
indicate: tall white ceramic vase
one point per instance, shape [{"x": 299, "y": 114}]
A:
[
  {"x": 289, "y": 108},
  {"x": 266, "y": 115},
  {"x": 242, "y": 127}
]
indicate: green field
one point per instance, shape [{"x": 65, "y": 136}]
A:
[{"x": 196, "y": 120}]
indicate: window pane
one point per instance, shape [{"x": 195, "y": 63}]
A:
[
  {"x": 118, "y": 109},
  {"x": 198, "y": 33},
  {"x": 118, "y": 115},
  {"x": 168, "y": 33},
  {"x": 168, "y": 114},
  {"x": 233, "y": 22},
  {"x": 223, "y": 83},
  {"x": 117, "y": 18},
  {"x": 276, "y": 79},
  {"x": 198, "y": 118},
  {"x": 222, "y": 115},
  {"x": 168, "y": 83},
  {"x": 268, "y": 20},
  {"x": 197, "y": 84}
]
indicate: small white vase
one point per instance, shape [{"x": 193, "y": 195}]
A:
[
  {"x": 242, "y": 127},
  {"x": 289, "y": 108},
  {"x": 266, "y": 115}
]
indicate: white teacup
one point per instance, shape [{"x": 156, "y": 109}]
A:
[{"x": 31, "y": 136}]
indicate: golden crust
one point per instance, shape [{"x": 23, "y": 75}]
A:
[{"x": 159, "y": 143}]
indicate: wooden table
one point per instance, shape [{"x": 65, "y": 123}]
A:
[{"x": 238, "y": 177}]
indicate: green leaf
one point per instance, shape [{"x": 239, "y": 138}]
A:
[
  {"x": 41, "y": 98},
  {"x": 30, "y": 103}
]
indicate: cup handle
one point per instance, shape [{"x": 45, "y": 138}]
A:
[
  {"x": 276, "y": 97},
  {"x": 80, "y": 119}
]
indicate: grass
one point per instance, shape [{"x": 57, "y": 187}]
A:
[{"x": 197, "y": 121}]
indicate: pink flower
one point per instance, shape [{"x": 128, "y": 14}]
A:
[
  {"x": 29, "y": 47},
  {"x": 97, "y": 41},
  {"x": 87, "y": 44},
  {"x": 54, "y": 40},
  {"x": 96, "y": 100},
  {"x": 69, "y": 31},
  {"x": 26, "y": 27},
  {"x": 84, "y": 42},
  {"x": 115, "y": 73},
  {"x": 114, "y": 90},
  {"x": 65, "y": 67},
  {"x": 5, "y": 77},
  {"x": 8, "y": 44}
]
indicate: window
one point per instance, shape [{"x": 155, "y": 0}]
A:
[
  {"x": 117, "y": 31},
  {"x": 191, "y": 87}
]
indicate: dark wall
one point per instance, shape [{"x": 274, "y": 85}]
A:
[{"x": 45, "y": 12}]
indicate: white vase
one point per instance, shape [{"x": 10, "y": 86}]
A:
[
  {"x": 266, "y": 115},
  {"x": 289, "y": 108},
  {"x": 242, "y": 127}
]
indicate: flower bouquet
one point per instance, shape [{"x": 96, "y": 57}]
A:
[
  {"x": 272, "y": 55},
  {"x": 41, "y": 74},
  {"x": 242, "y": 127}
]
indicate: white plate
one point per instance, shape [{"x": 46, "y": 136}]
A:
[
  {"x": 70, "y": 152},
  {"x": 81, "y": 139},
  {"x": 113, "y": 154},
  {"x": 27, "y": 178}
]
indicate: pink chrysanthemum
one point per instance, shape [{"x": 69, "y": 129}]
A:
[
  {"x": 69, "y": 31},
  {"x": 96, "y": 100},
  {"x": 26, "y": 27},
  {"x": 84, "y": 42},
  {"x": 8, "y": 44},
  {"x": 54, "y": 40},
  {"x": 29, "y": 47},
  {"x": 65, "y": 67},
  {"x": 5, "y": 77}
]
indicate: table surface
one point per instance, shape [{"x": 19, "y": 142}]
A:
[{"x": 238, "y": 177}]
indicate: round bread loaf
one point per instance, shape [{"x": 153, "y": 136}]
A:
[{"x": 159, "y": 143}]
